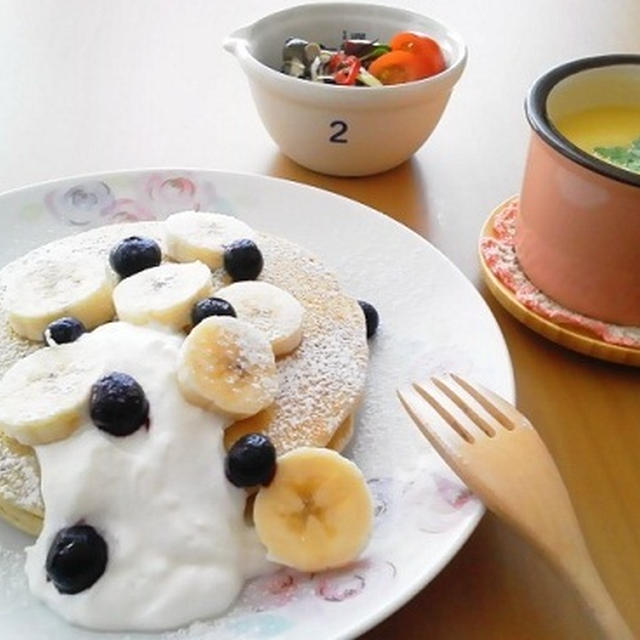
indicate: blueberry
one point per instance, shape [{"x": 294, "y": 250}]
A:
[
  {"x": 63, "y": 330},
  {"x": 118, "y": 404},
  {"x": 251, "y": 461},
  {"x": 134, "y": 254},
  {"x": 371, "y": 317},
  {"x": 243, "y": 260},
  {"x": 211, "y": 307},
  {"x": 77, "y": 558}
]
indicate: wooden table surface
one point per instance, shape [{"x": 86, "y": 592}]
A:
[{"x": 112, "y": 84}]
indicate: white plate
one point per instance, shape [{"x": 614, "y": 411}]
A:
[{"x": 432, "y": 320}]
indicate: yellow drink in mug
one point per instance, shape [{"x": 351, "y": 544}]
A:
[{"x": 610, "y": 133}]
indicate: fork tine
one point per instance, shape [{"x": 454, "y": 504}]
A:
[
  {"x": 515, "y": 476},
  {"x": 431, "y": 424},
  {"x": 450, "y": 411},
  {"x": 468, "y": 404},
  {"x": 504, "y": 412}
]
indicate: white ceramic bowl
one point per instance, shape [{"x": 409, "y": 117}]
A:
[{"x": 345, "y": 131}]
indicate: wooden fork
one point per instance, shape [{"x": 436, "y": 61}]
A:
[{"x": 496, "y": 451}]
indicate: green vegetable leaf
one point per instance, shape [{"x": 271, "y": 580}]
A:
[
  {"x": 626, "y": 157},
  {"x": 375, "y": 53}
]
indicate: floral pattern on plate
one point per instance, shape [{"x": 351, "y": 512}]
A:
[
  {"x": 81, "y": 204},
  {"x": 423, "y": 512},
  {"x": 286, "y": 600},
  {"x": 154, "y": 197}
]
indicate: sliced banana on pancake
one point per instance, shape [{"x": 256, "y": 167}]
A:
[
  {"x": 317, "y": 513},
  {"x": 56, "y": 286},
  {"x": 163, "y": 295},
  {"x": 227, "y": 365},
  {"x": 45, "y": 396},
  {"x": 272, "y": 310},
  {"x": 320, "y": 383},
  {"x": 196, "y": 235}
]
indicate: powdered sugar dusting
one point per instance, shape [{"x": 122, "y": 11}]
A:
[
  {"x": 499, "y": 254},
  {"x": 19, "y": 473},
  {"x": 250, "y": 353},
  {"x": 320, "y": 383},
  {"x": 20, "y": 476},
  {"x": 431, "y": 321}
]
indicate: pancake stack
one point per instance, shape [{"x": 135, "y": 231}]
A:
[{"x": 320, "y": 382}]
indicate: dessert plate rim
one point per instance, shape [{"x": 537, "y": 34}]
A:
[{"x": 310, "y": 212}]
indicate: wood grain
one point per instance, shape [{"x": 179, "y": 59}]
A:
[
  {"x": 112, "y": 84},
  {"x": 496, "y": 451}
]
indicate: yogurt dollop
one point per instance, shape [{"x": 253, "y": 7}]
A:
[{"x": 178, "y": 546}]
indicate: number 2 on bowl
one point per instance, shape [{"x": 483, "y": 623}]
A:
[{"x": 339, "y": 128}]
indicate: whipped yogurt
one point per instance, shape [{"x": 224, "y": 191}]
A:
[{"x": 178, "y": 546}]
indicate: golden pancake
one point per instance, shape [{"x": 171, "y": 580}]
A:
[
  {"x": 342, "y": 435},
  {"x": 320, "y": 382}
]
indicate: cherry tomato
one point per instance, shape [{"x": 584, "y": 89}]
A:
[
  {"x": 426, "y": 49},
  {"x": 336, "y": 60},
  {"x": 345, "y": 68},
  {"x": 396, "y": 67}
]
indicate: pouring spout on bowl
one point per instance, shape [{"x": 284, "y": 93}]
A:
[
  {"x": 341, "y": 130},
  {"x": 237, "y": 41}
]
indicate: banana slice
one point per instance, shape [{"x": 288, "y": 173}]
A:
[
  {"x": 317, "y": 513},
  {"x": 227, "y": 365},
  {"x": 197, "y": 235},
  {"x": 52, "y": 287},
  {"x": 163, "y": 295},
  {"x": 271, "y": 309},
  {"x": 45, "y": 396}
]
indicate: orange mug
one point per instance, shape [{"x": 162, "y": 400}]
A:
[{"x": 578, "y": 228}]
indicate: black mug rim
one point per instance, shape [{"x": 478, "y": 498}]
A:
[{"x": 538, "y": 117}]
